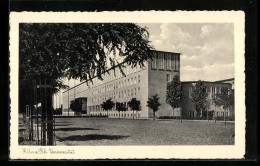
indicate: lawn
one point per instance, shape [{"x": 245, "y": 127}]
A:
[{"x": 104, "y": 131}]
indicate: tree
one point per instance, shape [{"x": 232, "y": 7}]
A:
[
  {"x": 135, "y": 105},
  {"x": 199, "y": 97},
  {"x": 76, "y": 106},
  {"x": 50, "y": 52},
  {"x": 174, "y": 93},
  {"x": 225, "y": 99},
  {"x": 120, "y": 107},
  {"x": 153, "y": 103},
  {"x": 107, "y": 105}
]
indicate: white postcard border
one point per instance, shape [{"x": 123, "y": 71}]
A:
[{"x": 132, "y": 152}]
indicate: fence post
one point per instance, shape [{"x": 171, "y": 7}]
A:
[{"x": 31, "y": 118}]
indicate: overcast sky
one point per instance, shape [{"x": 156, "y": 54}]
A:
[{"x": 207, "y": 50}]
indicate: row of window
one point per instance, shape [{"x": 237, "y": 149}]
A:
[
  {"x": 219, "y": 113},
  {"x": 119, "y": 84},
  {"x": 121, "y": 115},
  {"x": 212, "y": 91},
  {"x": 165, "y": 61},
  {"x": 110, "y": 76},
  {"x": 116, "y": 95},
  {"x": 106, "y": 88},
  {"x": 98, "y": 108}
]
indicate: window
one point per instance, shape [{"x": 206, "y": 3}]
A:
[
  {"x": 160, "y": 61},
  {"x": 168, "y": 61},
  {"x": 163, "y": 61},
  {"x": 168, "y": 77},
  {"x": 177, "y": 62},
  {"x": 154, "y": 60},
  {"x": 173, "y": 61}
]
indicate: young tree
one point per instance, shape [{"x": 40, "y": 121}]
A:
[
  {"x": 107, "y": 105},
  {"x": 135, "y": 105},
  {"x": 174, "y": 93},
  {"x": 76, "y": 106},
  {"x": 153, "y": 103},
  {"x": 200, "y": 98},
  {"x": 120, "y": 107},
  {"x": 50, "y": 52},
  {"x": 225, "y": 99}
]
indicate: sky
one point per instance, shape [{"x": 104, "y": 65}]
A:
[{"x": 207, "y": 50}]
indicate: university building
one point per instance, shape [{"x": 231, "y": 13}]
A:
[
  {"x": 139, "y": 83},
  {"x": 213, "y": 88}
]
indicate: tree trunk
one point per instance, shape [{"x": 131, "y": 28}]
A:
[
  {"x": 133, "y": 114},
  {"x": 47, "y": 111},
  {"x": 37, "y": 124},
  {"x": 31, "y": 132},
  {"x": 153, "y": 115}
]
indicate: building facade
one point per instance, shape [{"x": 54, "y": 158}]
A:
[
  {"x": 213, "y": 88},
  {"x": 139, "y": 83},
  {"x": 231, "y": 81}
]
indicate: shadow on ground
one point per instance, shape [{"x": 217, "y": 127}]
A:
[
  {"x": 74, "y": 129},
  {"x": 62, "y": 125},
  {"x": 21, "y": 139},
  {"x": 63, "y": 122},
  {"x": 92, "y": 137},
  {"x": 21, "y": 130}
]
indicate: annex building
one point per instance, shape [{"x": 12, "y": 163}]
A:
[
  {"x": 213, "y": 88},
  {"x": 139, "y": 83}
]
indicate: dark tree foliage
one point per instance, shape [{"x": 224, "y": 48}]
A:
[
  {"x": 135, "y": 105},
  {"x": 225, "y": 99},
  {"x": 54, "y": 51},
  {"x": 200, "y": 97},
  {"x": 57, "y": 111},
  {"x": 107, "y": 105},
  {"x": 76, "y": 106},
  {"x": 153, "y": 103},
  {"x": 174, "y": 93},
  {"x": 210, "y": 114},
  {"x": 120, "y": 107}
]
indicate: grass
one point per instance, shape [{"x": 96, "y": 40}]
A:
[{"x": 104, "y": 131}]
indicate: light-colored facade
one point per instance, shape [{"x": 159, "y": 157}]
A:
[
  {"x": 231, "y": 81},
  {"x": 139, "y": 83},
  {"x": 213, "y": 88}
]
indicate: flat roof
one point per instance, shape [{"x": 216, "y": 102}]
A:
[
  {"x": 167, "y": 52},
  {"x": 203, "y": 81},
  {"x": 230, "y": 79}
]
